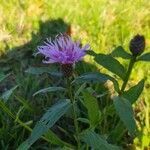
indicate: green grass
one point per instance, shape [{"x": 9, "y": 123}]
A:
[{"x": 104, "y": 24}]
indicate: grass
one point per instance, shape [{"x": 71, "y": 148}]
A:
[{"x": 104, "y": 24}]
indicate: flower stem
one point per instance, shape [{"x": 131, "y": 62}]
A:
[
  {"x": 130, "y": 67},
  {"x": 74, "y": 112}
]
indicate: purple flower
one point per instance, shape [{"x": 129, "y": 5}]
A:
[{"x": 62, "y": 50}]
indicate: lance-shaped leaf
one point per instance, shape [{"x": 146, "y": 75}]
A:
[
  {"x": 144, "y": 57},
  {"x": 50, "y": 135},
  {"x": 54, "y": 139},
  {"x": 134, "y": 92},
  {"x": 92, "y": 77},
  {"x": 125, "y": 112},
  {"x": 47, "y": 121},
  {"x": 96, "y": 77},
  {"x": 91, "y": 52},
  {"x": 91, "y": 104},
  {"x": 111, "y": 64},
  {"x": 41, "y": 70},
  {"x": 2, "y": 76},
  {"x": 120, "y": 52},
  {"x": 8, "y": 93},
  {"x": 96, "y": 141},
  {"x": 49, "y": 89}
]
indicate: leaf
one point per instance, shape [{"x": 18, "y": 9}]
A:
[
  {"x": 120, "y": 52},
  {"x": 144, "y": 57},
  {"x": 52, "y": 137},
  {"x": 134, "y": 92},
  {"x": 5, "y": 96},
  {"x": 6, "y": 109},
  {"x": 24, "y": 102},
  {"x": 117, "y": 133},
  {"x": 92, "y": 77},
  {"x": 41, "y": 70},
  {"x": 91, "y": 104},
  {"x": 49, "y": 89},
  {"x": 55, "y": 139},
  {"x": 111, "y": 64},
  {"x": 96, "y": 142},
  {"x": 84, "y": 120},
  {"x": 96, "y": 77},
  {"x": 2, "y": 76},
  {"x": 80, "y": 89},
  {"x": 47, "y": 121},
  {"x": 91, "y": 52},
  {"x": 125, "y": 112}
]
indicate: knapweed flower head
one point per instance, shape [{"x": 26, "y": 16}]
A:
[
  {"x": 137, "y": 45},
  {"x": 63, "y": 50}
]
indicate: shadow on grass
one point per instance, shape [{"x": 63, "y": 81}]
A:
[{"x": 24, "y": 54}]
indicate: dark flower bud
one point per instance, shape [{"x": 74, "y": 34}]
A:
[
  {"x": 67, "y": 70},
  {"x": 137, "y": 45}
]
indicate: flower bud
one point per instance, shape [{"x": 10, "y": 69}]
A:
[
  {"x": 67, "y": 70},
  {"x": 137, "y": 45}
]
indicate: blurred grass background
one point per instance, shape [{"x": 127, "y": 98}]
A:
[{"x": 104, "y": 24}]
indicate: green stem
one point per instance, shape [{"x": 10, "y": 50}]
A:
[
  {"x": 130, "y": 67},
  {"x": 74, "y": 112}
]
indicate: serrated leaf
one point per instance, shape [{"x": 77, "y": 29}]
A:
[
  {"x": 125, "y": 112},
  {"x": 96, "y": 141},
  {"x": 49, "y": 89},
  {"x": 41, "y": 70},
  {"x": 120, "y": 52},
  {"x": 5, "y": 96},
  {"x": 111, "y": 64},
  {"x": 91, "y": 104},
  {"x": 144, "y": 57},
  {"x": 134, "y": 92},
  {"x": 47, "y": 121}
]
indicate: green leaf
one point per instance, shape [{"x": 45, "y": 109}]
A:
[
  {"x": 49, "y": 136},
  {"x": 84, "y": 120},
  {"x": 111, "y": 64},
  {"x": 91, "y": 52},
  {"x": 55, "y": 139},
  {"x": 2, "y": 76},
  {"x": 125, "y": 112},
  {"x": 91, "y": 104},
  {"x": 96, "y": 141},
  {"x": 6, "y": 109},
  {"x": 144, "y": 57},
  {"x": 52, "y": 115},
  {"x": 92, "y": 77},
  {"x": 120, "y": 52},
  {"x": 96, "y": 77},
  {"x": 49, "y": 89},
  {"x": 41, "y": 70},
  {"x": 117, "y": 133},
  {"x": 5, "y": 96},
  {"x": 134, "y": 92},
  {"x": 25, "y": 103},
  {"x": 80, "y": 89}
]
